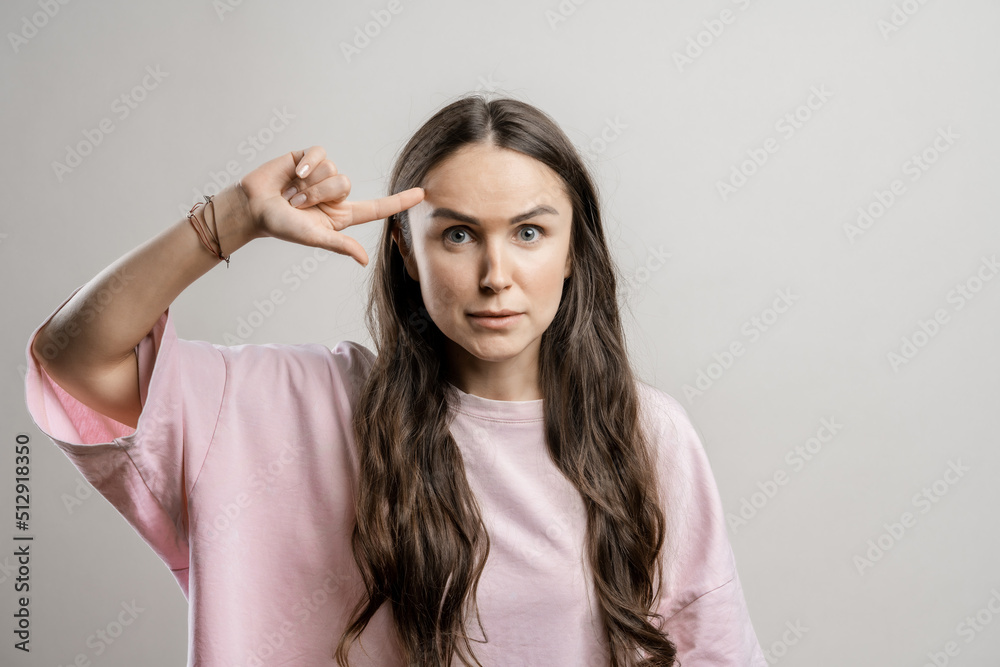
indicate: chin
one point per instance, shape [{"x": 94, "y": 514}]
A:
[{"x": 496, "y": 350}]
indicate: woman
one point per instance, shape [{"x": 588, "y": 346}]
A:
[{"x": 494, "y": 486}]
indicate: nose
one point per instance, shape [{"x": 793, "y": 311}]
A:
[{"x": 495, "y": 267}]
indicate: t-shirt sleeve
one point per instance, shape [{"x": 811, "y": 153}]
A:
[
  {"x": 146, "y": 473},
  {"x": 702, "y": 602}
]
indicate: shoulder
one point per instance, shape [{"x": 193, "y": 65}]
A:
[
  {"x": 353, "y": 358},
  {"x": 300, "y": 366},
  {"x": 665, "y": 417},
  {"x": 677, "y": 449},
  {"x": 269, "y": 357},
  {"x": 697, "y": 550}
]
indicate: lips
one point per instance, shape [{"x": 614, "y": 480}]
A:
[
  {"x": 494, "y": 313},
  {"x": 495, "y": 322}
]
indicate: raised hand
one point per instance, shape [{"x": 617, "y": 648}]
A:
[{"x": 318, "y": 218}]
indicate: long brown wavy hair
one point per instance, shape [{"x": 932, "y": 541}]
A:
[{"x": 419, "y": 541}]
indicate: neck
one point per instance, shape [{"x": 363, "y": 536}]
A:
[{"x": 513, "y": 379}]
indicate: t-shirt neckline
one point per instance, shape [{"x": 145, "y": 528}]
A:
[{"x": 507, "y": 411}]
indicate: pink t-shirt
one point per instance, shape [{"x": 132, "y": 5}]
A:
[{"x": 241, "y": 477}]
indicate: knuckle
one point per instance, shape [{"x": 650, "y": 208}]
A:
[
  {"x": 315, "y": 157},
  {"x": 337, "y": 218},
  {"x": 320, "y": 172}
]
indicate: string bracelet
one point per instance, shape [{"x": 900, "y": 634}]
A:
[{"x": 208, "y": 238}]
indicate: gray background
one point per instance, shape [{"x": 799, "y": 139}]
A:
[{"x": 671, "y": 133}]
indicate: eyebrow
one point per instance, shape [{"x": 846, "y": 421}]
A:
[{"x": 461, "y": 217}]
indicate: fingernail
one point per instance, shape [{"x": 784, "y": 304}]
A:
[
  {"x": 297, "y": 199},
  {"x": 301, "y": 171},
  {"x": 289, "y": 192}
]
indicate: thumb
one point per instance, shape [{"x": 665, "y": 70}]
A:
[{"x": 345, "y": 245}]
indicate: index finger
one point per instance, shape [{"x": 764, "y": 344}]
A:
[{"x": 377, "y": 209}]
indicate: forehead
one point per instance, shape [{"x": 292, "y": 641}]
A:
[{"x": 480, "y": 175}]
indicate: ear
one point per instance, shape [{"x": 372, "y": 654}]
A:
[
  {"x": 411, "y": 268},
  {"x": 569, "y": 266}
]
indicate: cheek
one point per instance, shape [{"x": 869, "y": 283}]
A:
[
  {"x": 547, "y": 280},
  {"x": 442, "y": 291}
]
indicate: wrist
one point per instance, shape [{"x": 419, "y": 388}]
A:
[{"x": 234, "y": 223}]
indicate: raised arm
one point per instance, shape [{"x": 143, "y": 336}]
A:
[{"x": 88, "y": 346}]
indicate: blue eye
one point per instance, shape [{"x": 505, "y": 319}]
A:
[
  {"x": 536, "y": 234},
  {"x": 448, "y": 233},
  {"x": 533, "y": 230}
]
